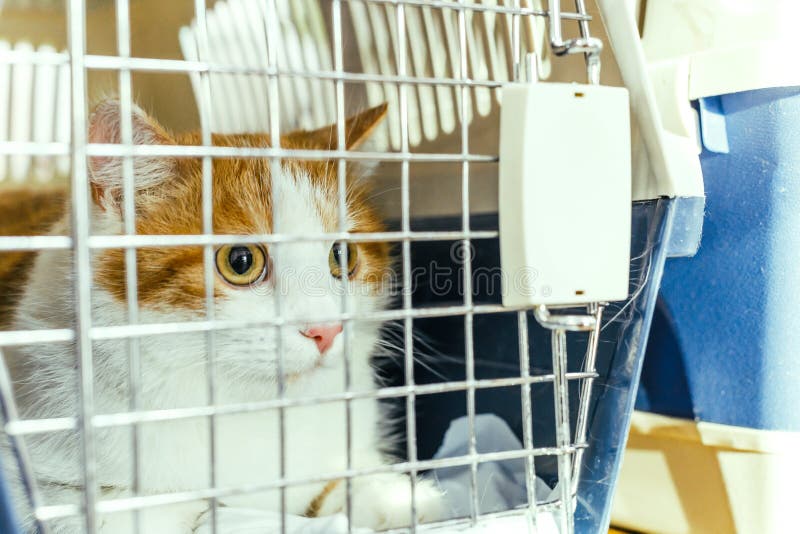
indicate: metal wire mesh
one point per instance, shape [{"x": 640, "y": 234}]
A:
[{"x": 406, "y": 81}]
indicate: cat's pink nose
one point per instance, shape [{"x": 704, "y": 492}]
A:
[{"x": 323, "y": 335}]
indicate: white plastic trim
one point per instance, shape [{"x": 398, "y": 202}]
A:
[
  {"x": 664, "y": 166},
  {"x": 715, "y": 434},
  {"x": 743, "y": 68},
  {"x": 684, "y": 476},
  {"x": 702, "y": 48},
  {"x": 676, "y": 28}
]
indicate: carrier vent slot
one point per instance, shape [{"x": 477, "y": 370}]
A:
[{"x": 34, "y": 108}]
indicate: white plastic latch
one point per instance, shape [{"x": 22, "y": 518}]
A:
[{"x": 565, "y": 193}]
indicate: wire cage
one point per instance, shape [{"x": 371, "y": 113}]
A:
[{"x": 560, "y": 382}]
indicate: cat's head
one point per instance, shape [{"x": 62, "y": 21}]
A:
[{"x": 307, "y": 277}]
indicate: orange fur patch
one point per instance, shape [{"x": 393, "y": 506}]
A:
[
  {"x": 242, "y": 204},
  {"x": 23, "y": 213}
]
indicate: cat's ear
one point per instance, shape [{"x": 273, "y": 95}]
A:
[
  {"x": 356, "y": 130},
  {"x": 105, "y": 172}
]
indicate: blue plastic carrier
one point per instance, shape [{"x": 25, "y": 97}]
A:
[{"x": 725, "y": 336}]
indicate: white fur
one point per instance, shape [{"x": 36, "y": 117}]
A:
[{"x": 175, "y": 455}]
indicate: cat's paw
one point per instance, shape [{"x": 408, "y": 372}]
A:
[{"x": 384, "y": 501}]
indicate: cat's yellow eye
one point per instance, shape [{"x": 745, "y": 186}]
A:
[
  {"x": 336, "y": 257},
  {"x": 242, "y": 265}
]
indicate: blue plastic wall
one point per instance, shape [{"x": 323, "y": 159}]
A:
[
  {"x": 8, "y": 523},
  {"x": 725, "y": 340}
]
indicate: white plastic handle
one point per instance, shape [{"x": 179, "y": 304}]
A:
[{"x": 623, "y": 33}]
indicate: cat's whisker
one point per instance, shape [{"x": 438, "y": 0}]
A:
[{"x": 391, "y": 350}]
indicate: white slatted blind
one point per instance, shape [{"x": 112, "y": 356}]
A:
[
  {"x": 34, "y": 107},
  {"x": 237, "y": 36}
]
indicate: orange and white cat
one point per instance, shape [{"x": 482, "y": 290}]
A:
[{"x": 175, "y": 456}]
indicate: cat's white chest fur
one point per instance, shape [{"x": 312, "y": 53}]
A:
[{"x": 177, "y": 455}]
